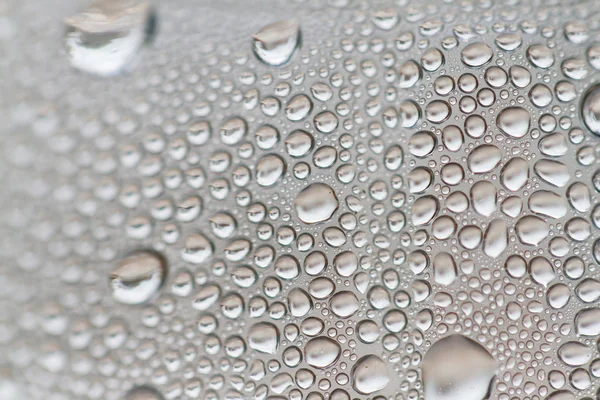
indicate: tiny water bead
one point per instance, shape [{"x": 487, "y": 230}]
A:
[{"x": 106, "y": 38}]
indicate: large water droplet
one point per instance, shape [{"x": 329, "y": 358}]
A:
[
  {"x": 370, "y": 374},
  {"x": 476, "y": 54},
  {"x": 457, "y": 368},
  {"x": 587, "y": 322},
  {"x": 590, "y": 109},
  {"x": 106, "y": 38},
  {"x": 143, "y": 393},
  {"x": 574, "y": 354},
  {"x": 276, "y": 43},
  {"x": 513, "y": 121},
  {"x": 138, "y": 277},
  {"x": 532, "y": 230},
  {"x": 495, "y": 239},
  {"x": 484, "y": 158},
  {"x": 321, "y": 352},
  {"x": 316, "y": 203},
  {"x": 264, "y": 338},
  {"x": 269, "y": 169}
]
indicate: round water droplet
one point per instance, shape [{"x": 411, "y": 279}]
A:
[
  {"x": 587, "y": 322},
  {"x": 344, "y": 304},
  {"x": 540, "y": 56},
  {"x": 298, "y": 108}
]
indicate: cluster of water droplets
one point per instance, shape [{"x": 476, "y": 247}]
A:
[{"x": 406, "y": 208}]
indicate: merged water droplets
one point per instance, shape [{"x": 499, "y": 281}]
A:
[{"x": 405, "y": 207}]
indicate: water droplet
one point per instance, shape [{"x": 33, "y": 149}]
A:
[
  {"x": 264, "y": 338},
  {"x": 574, "y": 354},
  {"x": 456, "y": 367},
  {"x": 532, "y": 230},
  {"x": 553, "y": 172},
  {"x": 484, "y": 158},
  {"x": 138, "y": 277},
  {"x": 444, "y": 269},
  {"x": 269, "y": 170},
  {"x": 476, "y": 54},
  {"x": 344, "y": 304},
  {"x": 143, "y": 393},
  {"x": 276, "y": 43},
  {"x": 495, "y": 239},
  {"x": 321, "y": 352},
  {"x": 513, "y": 122},
  {"x": 370, "y": 374},
  {"x": 298, "y": 108},
  {"x": 316, "y": 203},
  {"x": 587, "y": 322},
  {"x": 540, "y": 56},
  {"x": 590, "y": 109},
  {"x": 515, "y": 174},
  {"x": 106, "y": 38}
]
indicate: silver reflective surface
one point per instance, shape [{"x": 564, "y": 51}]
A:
[{"x": 317, "y": 199}]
